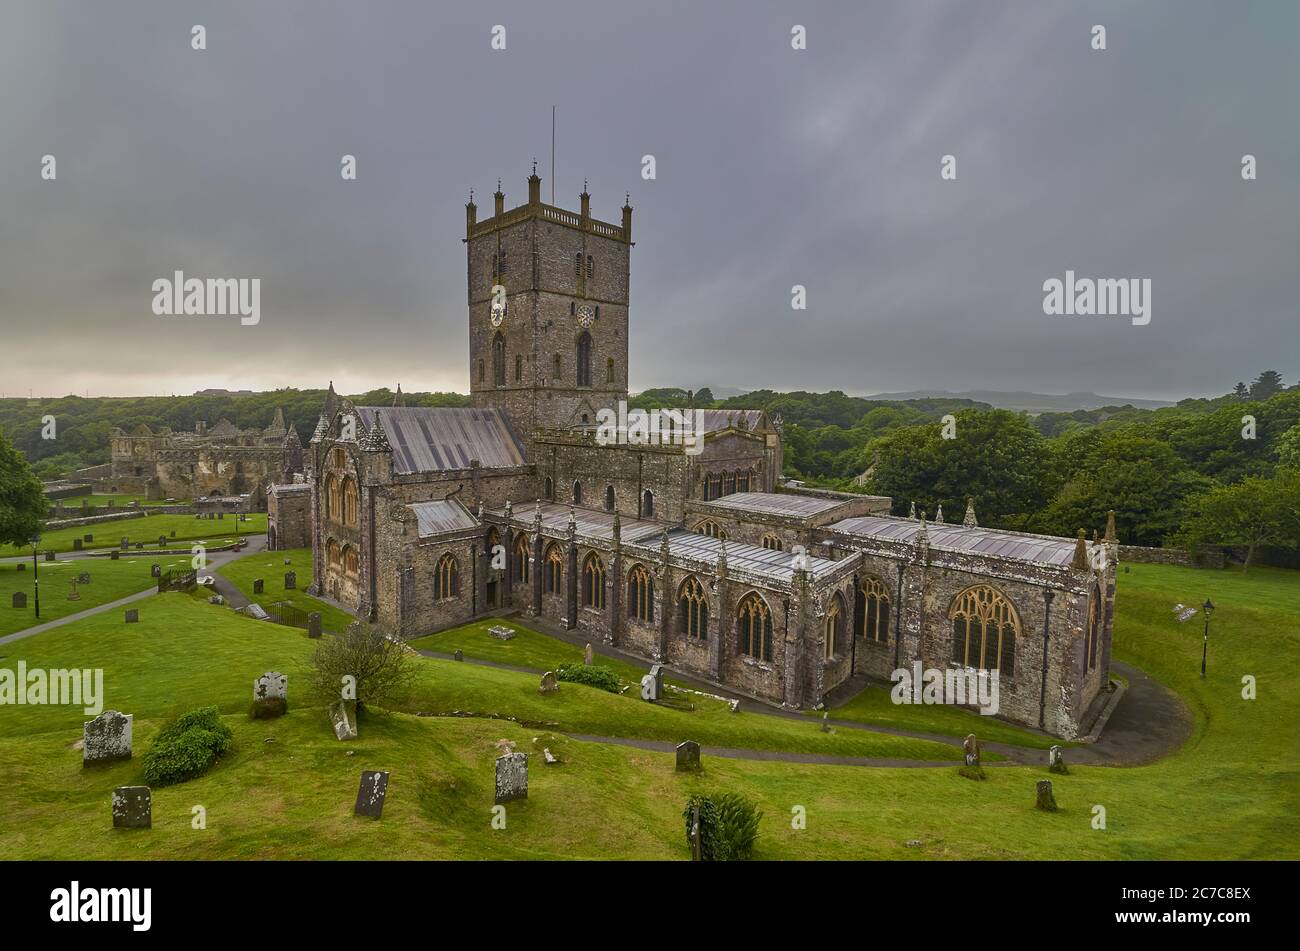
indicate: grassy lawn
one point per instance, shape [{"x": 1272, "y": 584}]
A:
[
  {"x": 1232, "y": 792},
  {"x": 528, "y": 648},
  {"x": 109, "y": 580},
  {"x": 270, "y": 567},
  {"x": 146, "y": 529}
]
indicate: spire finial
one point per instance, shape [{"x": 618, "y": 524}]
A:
[
  {"x": 471, "y": 195},
  {"x": 584, "y": 183},
  {"x": 970, "y": 521},
  {"x": 534, "y": 164},
  {"x": 1080, "y": 561},
  {"x": 498, "y": 184}
]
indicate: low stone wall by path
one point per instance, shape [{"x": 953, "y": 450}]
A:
[
  {"x": 1210, "y": 557},
  {"x": 94, "y": 519}
]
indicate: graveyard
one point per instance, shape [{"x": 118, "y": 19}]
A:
[
  {"x": 145, "y": 531},
  {"x": 270, "y": 567},
  {"x": 287, "y": 788}
]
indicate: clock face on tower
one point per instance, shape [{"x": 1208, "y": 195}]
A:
[
  {"x": 498, "y": 313},
  {"x": 585, "y": 315}
]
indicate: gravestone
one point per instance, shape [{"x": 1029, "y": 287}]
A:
[
  {"x": 1056, "y": 760},
  {"x": 290, "y": 580},
  {"x": 1045, "y": 801},
  {"x": 343, "y": 717},
  {"x": 652, "y": 684},
  {"x": 132, "y": 807},
  {"x": 512, "y": 777},
  {"x": 288, "y": 561},
  {"x": 313, "y": 624},
  {"x": 76, "y": 544},
  {"x": 697, "y": 840},
  {"x": 132, "y": 616},
  {"x": 549, "y": 684},
  {"x": 113, "y": 555},
  {"x": 173, "y": 533},
  {"x": 19, "y": 599},
  {"x": 221, "y": 515},
  {"x": 587, "y": 654},
  {"x": 459, "y": 655},
  {"x": 971, "y": 748},
  {"x": 162, "y": 541},
  {"x": 370, "y": 797},
  {"x": 126, "y": 543},
  {"x": 155, "y": 570},
  {"x": 106, "y": 739},
  {"x": 22, "y": 566},
  {"x": 826, "y": 721},
  {"x": 688, "y": 757},
  {"x": 270, "y": 695},
  {"x": 87, "y": 538},
  {"x": 501, "y": 632},
  {"x": 255, "y": 611},
  {"x": 216, "y": 599},
  {"x": 49, "y": 556},
  {"x": 72, "y": 595},
  {"x": 139, "y": 546},
  {"x": 83, "y": 578},
  {"x": 199, "y": 516},
  {"x": 258, "y": 585}
]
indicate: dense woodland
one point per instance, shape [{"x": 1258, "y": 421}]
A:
[{"x": 1223, "y": 470}]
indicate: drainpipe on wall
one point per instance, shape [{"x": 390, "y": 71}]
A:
[{"x": 1048, "y": 594}]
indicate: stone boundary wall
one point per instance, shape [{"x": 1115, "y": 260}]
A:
[
  {"x": 94, "y": 519},
  {"x": 1212, "y": 556}
]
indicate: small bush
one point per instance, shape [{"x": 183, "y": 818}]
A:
[
  {"x": 728, "y": 826},
  {"x": 187, "y": 747},
  {"x": 603, "y": 678}
]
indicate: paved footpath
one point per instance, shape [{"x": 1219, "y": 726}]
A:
[{"x": 215, "y": 561}]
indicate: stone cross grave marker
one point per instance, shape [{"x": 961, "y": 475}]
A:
[
  {"x": 132, "y": 807},
  {"x": 106, "y": 739},
  {"x": 72, "y": 595},
  {"x": 371, "y": 794},
  {"x": 512, "y": 777}
]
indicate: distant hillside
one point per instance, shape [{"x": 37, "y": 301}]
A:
[{"x": 1030, "y": 402}]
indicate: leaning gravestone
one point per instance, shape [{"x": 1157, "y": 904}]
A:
[
  {"x": 258, "y": 585},
  {"x": 19, "y": 599},
  {"x": 370, "y": 797},
  {"x": 652, "y": 684},
  {"x": 313, "y": 624},
  {"x": 76, "y": 544},
  {"x": 549, "y": 684},
  {"x": 971, "y": 748},
  {"x": 512, "y": 777},
  {"x": 254, "y": 610},
  {"x": 132, "y": 807},
  {"x": 270, "y": 696},
  {"x": 343, "y": 717},
  {"x": 1045, "y": 801},
  {"x": 132, "y": 616},
  {"x": 106, "y": 739},
  {"x": 1056, "y": 760},
  {"x": 688, "y": 757},
  {"x": 290, "y": 581}
]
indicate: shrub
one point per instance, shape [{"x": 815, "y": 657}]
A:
[
  {"x": 728, "y": 826},
  {"x": 186, "y": 747},
  {"x": 594, "y": 676},
  {"x": 371, "y": 653}
]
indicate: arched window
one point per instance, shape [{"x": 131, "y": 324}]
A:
[
  {"x": 871, "y": 620},
  {"x": 715, "y": 486},
  {"x": 591, "y": 267},
  {"x": 609, "y": 370},
  {"x": 694, "y": 608},
  {"x": 1094, "y": 626},
  {"x": 333, "y": 499},
  {"x": 711, "y": 528},
  {"x": 519, "y": 367},
  {"x": 772, "y": 542},
  {"x": 349, "y": 502},
  {"x": 984, "y": 630},
  {"x": 334, "y": 554},
  {"x": 548, "y": 491},
  {"x": 745, "y": 481},
  {"x": 834, "y": 626},
  {"x": 729, "y": 484},
  {"x": 584, "y": 359},
  {"x": 647, "y": 504},
  {"x": 754, "y": 627},
  {"x": 446, "y": 578},
  {"x": 499, "y": 360},
  {"x": 519, "y": 569},
  {"x": 555, "y": 372},
  {"x": 554, "y": 577},
  {"x": 577, "y": 493},
  {"x": 609, "y": 498},
  {"x": 480, "y": 371},
  {"x": 593, "y": 582},
  {"x": 350, "y": 565},
  {"x": 577, "y": 265},
  {"x": 640, "y": 595}
]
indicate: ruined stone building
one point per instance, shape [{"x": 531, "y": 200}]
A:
[
  {"x": 222, "y": 460},
  {"x": 423, "y": 518}
]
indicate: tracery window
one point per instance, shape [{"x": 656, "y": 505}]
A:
[
  {"x": 519, "y": 570},
  {"x": 833, "y": 626},
  {"x": 593, "y": 582},
  {"x": 554, "y": 576},
  {"x": 584, "y": 359},
  {"x": 640, "y": 594},
  {"x": 349, "y": 502},
  {"x": 872, "y": 620},
  {"x": 754, "y": 627},
  {"x": 712, "y": 529},
  {"x": 984, "y": 630},
  {"x": 499, "y": 360},
  {"x": 694, "y": 608},
  {"x": 446, "y": 578},
  {"x": 772, "y": 542}
]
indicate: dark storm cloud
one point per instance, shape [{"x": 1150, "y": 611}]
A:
[{"x": 775, "y": 167}]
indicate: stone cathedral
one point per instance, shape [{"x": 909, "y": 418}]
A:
[{"x": 424, "y": 518}]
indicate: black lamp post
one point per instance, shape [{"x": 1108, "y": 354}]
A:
[
  {"x": 1208, "y": 608},
  {"x": 36, "y": 574}
]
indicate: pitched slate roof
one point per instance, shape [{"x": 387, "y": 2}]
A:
[
  {"x": 778, "y": 565},
  {"x": 439, "y": 438},
  {"x": 447, "y": 515},
  {"x": 777, "y": 503},
  {"x": 593, "y": 523},
  {"x": 974, "y": 541},
  {"x": 716, "y": 419}
]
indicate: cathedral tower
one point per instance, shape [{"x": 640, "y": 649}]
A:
[{"x": 550, "y": 346}]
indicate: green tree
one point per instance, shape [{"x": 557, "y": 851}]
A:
[
  {"x": 1241, "y": 392},
  {"x": 22, "y": 499},
  {"x": 1288, "y": 447},
  {"x": 1266, "y": 384},
  {"x": 1254, "y": 512}
]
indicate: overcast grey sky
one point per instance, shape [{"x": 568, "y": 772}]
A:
[{"x": 775, "y": 167}]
